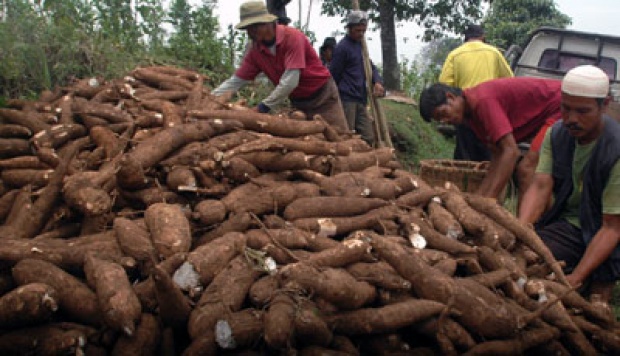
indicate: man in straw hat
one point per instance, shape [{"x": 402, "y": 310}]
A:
[
  {"x": 579, "y": 168},
  {"x": 501, "y": 112},
  {"x": 290, "y": 62}
]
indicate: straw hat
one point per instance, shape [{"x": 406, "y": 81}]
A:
[
  {"x": 253, "y": 12},
  {"x": 586, "y": 81}
]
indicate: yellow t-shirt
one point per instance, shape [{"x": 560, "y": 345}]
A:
[{"x": 472, "y": 63}]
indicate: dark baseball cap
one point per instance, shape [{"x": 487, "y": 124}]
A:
[{"x": 473, "y": 31}]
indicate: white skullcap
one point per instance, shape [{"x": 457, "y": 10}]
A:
[{"x": 586, "y": 81}]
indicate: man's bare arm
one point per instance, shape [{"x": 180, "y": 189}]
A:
[
  {"x": 535, "y": 199},
  {"x": 599, "y": 249},
  {"x": 503, "y": 160}
]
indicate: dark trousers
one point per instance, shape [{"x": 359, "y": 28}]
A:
[
  {"x": 359, "y": 121},
  {"x": 566, "y": 243},
  {"x": 468, "y": 146}
]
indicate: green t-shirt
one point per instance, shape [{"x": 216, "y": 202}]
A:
[{"x": 611, "y": 193}]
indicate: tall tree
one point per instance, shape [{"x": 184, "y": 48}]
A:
[
  {"x": 510, "y": 22},
  {"x": 118, "y": 21},
  {"x": 151, "y": 15},
  {"x": 436, "y": 17},
  {"x": 389, "y": 54},
  {"x": 436, "y": 51},
  {"x": 195, "y": 40}
]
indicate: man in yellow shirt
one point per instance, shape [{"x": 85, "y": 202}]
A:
[{"x": 466, "y": 66}]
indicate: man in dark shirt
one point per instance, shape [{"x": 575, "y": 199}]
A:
[
  {"x": 326, "y": 51},
  {"x": 347, "y": 68}
]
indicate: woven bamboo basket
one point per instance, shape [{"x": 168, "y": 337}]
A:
[{"x": 467, "y": 175}]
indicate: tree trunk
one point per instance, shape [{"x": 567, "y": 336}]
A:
[{"x": 391, "y": 69}]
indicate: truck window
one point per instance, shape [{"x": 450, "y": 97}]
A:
[{"x": 564, "y": 61}]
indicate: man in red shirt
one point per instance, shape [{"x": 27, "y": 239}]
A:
[
  {"x": 502, "y": 113},
  {"x": 287, "y": 58}
]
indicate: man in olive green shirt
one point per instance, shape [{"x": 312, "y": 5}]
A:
[
  {"x": 611, "y": 194},
  {"x": 579, "y": 173}
]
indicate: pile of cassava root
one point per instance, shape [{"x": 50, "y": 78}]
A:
[{"x": 143, "y": 216}]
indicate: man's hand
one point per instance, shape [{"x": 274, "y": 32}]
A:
[
  {"x": 378, "y": 90},
  {"x": 261, "y": 108},
  {"x": 574, "y": 280}
]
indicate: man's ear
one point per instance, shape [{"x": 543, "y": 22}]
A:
[{"x": 450, "y": 96}]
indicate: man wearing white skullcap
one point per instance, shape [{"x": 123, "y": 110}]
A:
[{"x": 579, "y": 170}]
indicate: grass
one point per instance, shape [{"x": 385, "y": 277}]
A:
[{"x": 414, "y": 139}]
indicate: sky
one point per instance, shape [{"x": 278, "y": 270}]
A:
[{"x": 599, "y": 16}]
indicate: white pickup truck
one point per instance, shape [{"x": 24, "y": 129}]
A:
[{"x": 551, "y": 52}]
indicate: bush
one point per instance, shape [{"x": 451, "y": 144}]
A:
[{"x": 46, "y": 47}]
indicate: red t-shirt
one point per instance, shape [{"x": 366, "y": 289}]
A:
[
  {"x": 520, "y": 106},
  {"x": 293, "y": 51}
]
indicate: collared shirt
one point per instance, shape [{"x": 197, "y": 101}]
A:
[
  {"x": 512, "y": 105},
  {"x": 293, "y": 51},
  {"x": 347, "y": 68},
  {"x": 472, "y": 63}
]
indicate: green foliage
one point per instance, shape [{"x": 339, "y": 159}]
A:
[
  {"x": 257, "y": 90},
  {"x": 414, "y": 139},
  {"x": 45, "y": 44},
  {"x": 436, "y": 51},
  {"x": 436, "y": 17},
  {"x": 195, "y": 43},
  {"x": 235, "y": 44},
  {"x": 309, "y": 33},
  {"x": 18, "y": 58},
  {"x": 509, "y": 22},
  {"x": 416, "y": 76},
  {"x": 49, "y": 44},
  {"x": 425, "y": 69},
  {"x": 152, "y": 14},
  {"x": 117, "y": 22}
]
